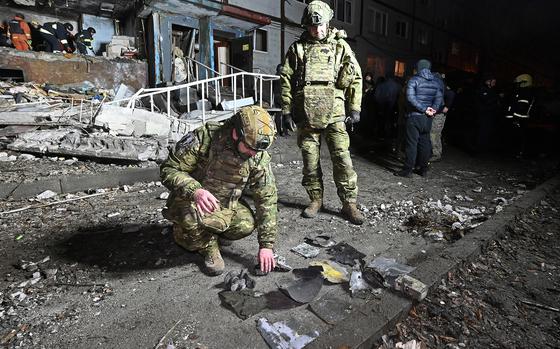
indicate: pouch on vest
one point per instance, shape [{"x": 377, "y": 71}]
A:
[
  {"x": 346, "y": 76},
  {"x": 217, "y": 221},
  {"x": 318, "y": 104}
]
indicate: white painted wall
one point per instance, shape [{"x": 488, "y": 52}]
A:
[{"x": 267, "y": 7}]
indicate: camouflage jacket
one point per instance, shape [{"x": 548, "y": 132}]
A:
[
  {"x": 299, "y": 71},
  {"x": 207, "y": 158}
]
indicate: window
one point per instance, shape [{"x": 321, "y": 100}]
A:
[
  {"x": 422, "y": 37},
  {"x": 379, "y": 22},
  {"x": 402, "y": 29},
  {"x": 343, "y": 10},
  {"x": 400, "y": 68},
  {"x": 261, "y": 40}
]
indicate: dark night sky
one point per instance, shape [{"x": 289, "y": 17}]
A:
[{"x": 527, "y": 31}]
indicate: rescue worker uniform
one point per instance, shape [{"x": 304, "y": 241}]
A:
[
  {"x": 56, "y": 36},
  {"x": 321, "y": 79},
  {"x": 3, "y": 37},
  {"x": 519, "y": 110},
  {"x": 84, "y": 41},
  {"x": 20, "y": 33},
  {"x": 209, "y": 158}
]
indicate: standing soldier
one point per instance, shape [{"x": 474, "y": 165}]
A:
[
  {"x": 321, "y": 81},
  {"x": 206, "y": 175},
  {"x": 56, "y": 35},
  {"x": 20, "y": 33},
  {"x": 84, "y": 40}
]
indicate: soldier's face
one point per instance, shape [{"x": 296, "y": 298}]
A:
[
  {"x": 242, "y": 147},
  {"x": 318, "y": 31}
]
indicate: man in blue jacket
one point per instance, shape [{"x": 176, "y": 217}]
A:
[{"x": 424, "y": 98}]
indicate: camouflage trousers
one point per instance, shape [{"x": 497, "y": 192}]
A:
[
  {"x": 191, "y": 234},
  {"x": 435, "y": 135},
  {"x": 338, "y": 142}
]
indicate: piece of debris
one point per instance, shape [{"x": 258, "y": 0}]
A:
[
  {"x": 320, "y": 240},
  {"x": 411, "y": 287},
  {"x": 345, "y": 254},
  {"x": 47, "y": 194},
  {"x": 244, "y": 303},
  {"x": 305, "y": 289},
  {"x": 237, "y": 281},
  {"x": 279, "y": 336},
  {"x": 477, "y": 190},
  {"x": 281, "y": 266},
  {"x": 164, "y": 195},
  {"x": 306, "y": 250},
  {"x": 332, "y": 271}
]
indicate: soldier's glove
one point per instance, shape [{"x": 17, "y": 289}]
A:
[
  {"x": 353, "y": 118},
  {"x": 288, "y": 123}
]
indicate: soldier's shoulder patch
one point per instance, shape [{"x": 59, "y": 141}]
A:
[{"x": 188, "y": 141}]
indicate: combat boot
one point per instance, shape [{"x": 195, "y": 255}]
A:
[
  {"x": 213, "y": 261},
  {"x": 350, "y": 211},
  {"x": 311, "y": 210}
]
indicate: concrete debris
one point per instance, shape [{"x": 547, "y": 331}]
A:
[
  {"x": 164, "y": 195},
  {"x": 279, "y": 336},
  {"x": 241, "y": 102},
  {"x": 47, "y": 194},
  {"x": 133, "y": 122},
  {"x": 306, "y": 250},
  {"x": 477, "y": 190}
]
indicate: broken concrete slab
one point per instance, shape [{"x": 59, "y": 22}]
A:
[
  {"x": 239, "y": 103},
  {"x": 74, "y": 143},
  {"x": 133, "y": 122}
]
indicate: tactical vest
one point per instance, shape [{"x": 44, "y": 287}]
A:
[
  {"x": 225, "y": 173},
  {"x": 15, "y": 27}
]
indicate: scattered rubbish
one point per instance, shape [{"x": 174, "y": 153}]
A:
[
  {"x": 434, "y": 235},
  {"x": 305, "y": 289},
  {"x": 357, "y": 283},
  {"x": 244, "y": 303},
  {"x": 345, "y": 254},
  {"x": 331, "y": 309},
  {"x": 281, "y": 266},
  {"x": 161, "y": 342},
  {"x": 500, "y": 200},
  {"x": 395, "y": 275},
  {"x": 320, "y": 240},
  {"x": 477, "y": 190},
  {"x": 114, "y": 214},
  {"x": 279, "y": 336},
  {"x": 51, "y": 203},
  {"x": 47, "y": 194},
  {"x": 237, "y": 281},
  {"x": 306, "y": 250},
  {"x": 411, "y": 287},
  {"x": 164, "y": 195},
  {"x": 538, "y": 305},
  {"x": 332, "y": 271},
  {"x": 412, "y": 344}
]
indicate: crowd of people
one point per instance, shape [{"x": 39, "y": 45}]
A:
[{"x": 53, "y": 37}]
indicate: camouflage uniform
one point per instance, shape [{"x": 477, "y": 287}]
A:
[
  {"x": 435, "y": 135},
  {"x": 208, "y": 158},
  {"x": 321, "y": 81}
]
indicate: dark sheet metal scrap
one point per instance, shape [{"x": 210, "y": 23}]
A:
[
  {"x": 331, "y": 309},
  {"x": 306, "y": 288},
  {"x": 345, "y": 254},
  {"x": 320, "y": 240},
  {"x": 237, "y": 281}
]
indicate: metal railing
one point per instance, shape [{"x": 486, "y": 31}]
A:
[{"x": 202, "y": 87}]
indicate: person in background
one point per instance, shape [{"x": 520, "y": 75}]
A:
[
  {"x": 57, "y": 35},
  {"x": 424, "y": 96},
  {"x": 439, "y": 119},
  {"x": 84, "y": 41},
  {"x": 20, "y": 33},
  {"x": 4, "y": 39}
]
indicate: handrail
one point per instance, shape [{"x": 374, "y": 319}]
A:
[
  {"x": 203, "y": 65},
  {"x": 202, "y": 86}
]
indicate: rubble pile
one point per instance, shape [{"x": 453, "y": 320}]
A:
[
  {"x": 75, "y": 120},
  {"x": 508, "y": 297}
]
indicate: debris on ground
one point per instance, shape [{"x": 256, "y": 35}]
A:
[
  {"x": 332, "y": 271},
  {"x": 306, "y": 250},
  {"x": 345, "y": 254},
  {"x": 244, "y": 303},
  {"x": 279, "y": 336},
  {"x": 320, "y": 240},
  {"x": 237, "y": 281},
  {"x": 306, "y": 288}
]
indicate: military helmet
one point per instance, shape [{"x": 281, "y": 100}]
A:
[
  {"x": 524, "y": 80},
  {"x": 255, "y": 127},
  {"x": 316, "y": 13}
]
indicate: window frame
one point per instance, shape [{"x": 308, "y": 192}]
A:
[
  {"x": 265, "y": 31},
  {"x": 373, "y": 28},
  {"x": 397, "y": 26},
  {"x": 348, "y": 13}
]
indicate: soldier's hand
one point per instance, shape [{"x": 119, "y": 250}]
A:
[
  {"x": 205, "y": 201},
  {"x": 288, "y": 123},
  {"x": 353, "y": 118},
  {"x": 266, "y": 260}
]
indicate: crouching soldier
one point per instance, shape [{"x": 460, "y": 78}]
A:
[{"x": 206, "y": 175}]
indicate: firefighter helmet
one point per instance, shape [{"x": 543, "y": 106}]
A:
[
  {"x": 69, "y": 26},
  {"x": 91, "y": 30},
  {"x": 524, "y": 80},
  {"x": 254, "y": 127},
  {"x": 316, "y": 13}
]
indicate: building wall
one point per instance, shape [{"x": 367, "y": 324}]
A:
[{"x": 104, "y": 28}]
